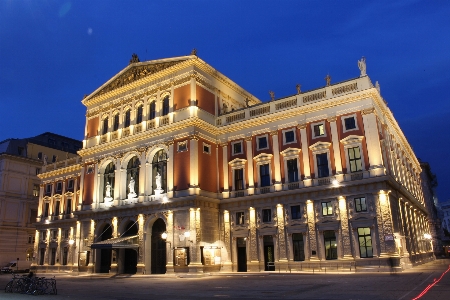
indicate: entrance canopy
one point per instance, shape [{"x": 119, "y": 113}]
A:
[{"x": 126, "y": 242}]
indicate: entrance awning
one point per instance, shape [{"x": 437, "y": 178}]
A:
[{"x": 126, "y": 242}]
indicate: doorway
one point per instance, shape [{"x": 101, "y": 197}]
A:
[
  {"x": 241, "y": 244},
  {"x": 269, "y": 256},
  {"x": 158, "y": 248},
  {"x": 330, "y": 244},
  {"x": 130, "y": 256},
  {"x": 105, "y": 254}
]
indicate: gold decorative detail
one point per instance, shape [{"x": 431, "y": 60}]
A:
[
  {"x": 332, "y": 119},
  {"x": 368, "y": 111},
  {"x": 301, "y": 126},
  {"x": 224, "y": 144},
  {"x": 274, "y": 132},
  {"x": 248, "y": 139}
]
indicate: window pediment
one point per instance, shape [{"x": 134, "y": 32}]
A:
[
  {"x": 237, "y": 163},
  {"x": 352, "y": 139},
  {"x": 290, "y": 152},
  {"x": 263, "y": 158},
  {"x": 320, "y": 146}
]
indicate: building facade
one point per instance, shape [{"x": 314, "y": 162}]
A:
[
  {"x": 21, "y": 160},
  {"x": 183, "y": 170}
]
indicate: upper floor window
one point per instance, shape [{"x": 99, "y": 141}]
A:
[
  {"x": 349, "y": 123},
  {"x": 206, "y": 148},
  {"x": 48, "y": 188},
  {"x": 289, "y": 137},
  {"x": 70, "y": 184},
  {"x": 105, "y": 126},
  {"x": 116, "y": 122},
  {"x": 58, "y": 187},
  {"x": 292, "y": 170},
  {"x": 360, "y": 204},
  {"x": 237, "y": 148},
  {"x": 354, "y": 159},
  {"x": 295, "y": 212},
  {"x": 267, "y": 215},
  {"x": 264, "y": 173},
  {"x": 240, "y": 218},
  {"x": 46, "y": 209},
  {"x": 139, "y": 114},
  {"x": 238, "y": 179},
  {"x": 319, "y": 130},
  {"x": 36, "y": 190},
  {"x": 262, "y": 142},
  {"x": 322, "y": 165},
  {"x": 152, "y": 113},
  {"x": 127, "y": 118},
  {"x": 56, "y": 212},
  {"x": 182, "y": 146},
  {"x": 69, "y": 206},
  {"x": 327, "y": 208},
  {"x": 165, "y": 106}
]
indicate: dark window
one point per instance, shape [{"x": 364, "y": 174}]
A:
[
  {"x": 240, "y": 218},
  {"x": 105, "y": 126},
  {"x": 46, "y": 209},
  {"x": 116, "y": 122},
  {"x": 295, "y": 212},
  {"x": 152, "y": 113},
  {"x": 365, "y": 242},
  {"x": 165, "y": 106},
  {"x": 262, "y": 142},
  {"x": 360, "y": 204},
  {"x": 20, "y": 150},
  {"x": 330, "y": 244},
  {"x": 36, "y": 190},
  {"x": 206, "y": 149},
  {"x": 38, "y": 171},
  {"x": 66, "y": 233},
  {"x": 264, "y": 173},
  {"x": 127, "y": 118},
  {"x": 319, "y": 130},
  {"x": 289, "y": 136},
  {"x": 33, "y": 215},
  {"x": 54, "y": 158},
  {"x": 65, "y": 254},
  {"x": 182, "y": 146},
  {"x": 70, "y": 184},
  {"x": 139, "y": 114},
  {"x": 238, "y": 179},
  {"x": 59, "y": 187},
  {"x": 267, "y": 215},
  {"x": 53, "y": 256},
  {"x": 354, "y": 159},
  {"x": 350, "y": 123},
  {"x": 48, "y": 188},
  {"x": 322, "y": 165},
  {"x": 39, "y": 155},
  {"x": 292, "y": 170},
  {"x": 69, "y": 206},
  {"x": 298, "y": 247},
  {"x": 237, "y": 148},
  {"x": 56, "y": 208},
  {"x": 327, "y": 209}
]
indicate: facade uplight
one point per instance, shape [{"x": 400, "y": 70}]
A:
[{"x": 164, "y": 235}]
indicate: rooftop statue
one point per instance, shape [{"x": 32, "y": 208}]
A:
[
  {"x": 194, "y": 52},
  {"x": 272, "y": 95},
  {"x": 298, "y": 86},
  {"x": 134, "y": 58},
  {"x": 362, "y": 66},
  {"x": 328, "y": 79}
]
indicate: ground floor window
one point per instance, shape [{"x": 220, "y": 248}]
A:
[
  {"x": 53, "y": 256},
  {"x": 65, "y": 254},
  {"x": 365, "y": 242},
  {"x": 298, "y": 247},
  {"x": 330, "y": 244}
]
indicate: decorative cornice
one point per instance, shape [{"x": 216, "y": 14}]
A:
[
  {"x": 367, "y": 111},
  {"x": 60, "y": 172},
  {"x": 332, "y": 119}
]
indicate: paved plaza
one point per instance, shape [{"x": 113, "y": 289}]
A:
[{"x": 373, "y": 285}]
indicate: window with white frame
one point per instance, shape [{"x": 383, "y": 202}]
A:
[
  {"x": 240, "y": 218},
  {"x": 262, "y": 142},
  {"x": 263, "y": 167},
  {"x": 349, "y": 123},
  {"x": 360, "y": 204},
  {"x": 289, "y": 136},
  {"x": 292, "y": 170},
  {"x": 322, "y": 165},
  {"x": 206, "y": 148},
  {"x": 238, "y": 174},
  {"x": 237, "y": 148},
  {"x": 354, "y": 157},
  {"x": 182, "y": 146},
  {"x": 291, "y": 164},
  {"x": 318, "y": 129},
  {"x": 321, "y": 154},
  {"x": 238, "y": 179},
  {"x": 327, "y": 208},
  {"x": 264, "y": 175}
]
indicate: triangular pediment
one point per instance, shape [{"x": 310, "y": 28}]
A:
[{"x": 136, "y": 71}]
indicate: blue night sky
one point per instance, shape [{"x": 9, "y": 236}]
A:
[{"x": 53, "y": 52}]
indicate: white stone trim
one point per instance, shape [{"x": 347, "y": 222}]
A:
[
  {"x": 263, "y": 159},
  {"x": 237, "y": 164},
  {"x": 313, "y": 136},
  {"x": 257, "y": 142},
  {"x": 288, "y": 154},
  {"x": 344, "y": 130},
  {"x": 319, "y": 148},
  {"x": 284, "y": 137},
  {"x": 350, "y": 142}
]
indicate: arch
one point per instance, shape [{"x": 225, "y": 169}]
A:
[
  {"x": 159, "y": 168},
  {"x": 102, "y": 178},
  {"x": 104, "y": 231},
  {"x": 132, "y": 174},
  {"x": 165, "y": 94},
  {"x": 127, "y": 118},
  {"x": 152, "y": 109},
  {"x": 165, "y": 105},
  {"x": 139, "y": 113},
  {"x": 123, "y": 226},
  {"x": 158, "y": 247}
]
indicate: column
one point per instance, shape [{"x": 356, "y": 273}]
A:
[
  {"x": 96, "y": 188},
  {"x": 193, "y": 90},
  {"x": 251, "y": 183},
  {"x": 157, "y": 108},
  {"x": 142, "y": 176},
  {"x": 336, "y": 148},
  {"x": 227, "y": 264},
  {"x": 373, "y": 142},
  {"x": 170, "y": 169},
  {"x": 305, "y": 155},
  {"x": 194, "y": 228},
  {"x": 193, "y": 165},
  {"x": 169, "y": 242},
  {"x": 276, "y": 160},
  {"x": 253, "y": 242},
  {"x": 80, "y": 199},
  {"x": 226, "y": 185},
  {"x": 282, "y": 245},
  {"x": 385, "y": 226},
  {"x": 343, "y": 214},
  {"x": 311, "y": 231},
  {"x": 117, "y": 178}
]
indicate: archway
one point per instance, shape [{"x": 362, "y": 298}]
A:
[
  {"x": 105, "y": 254},
  {"x": 130, "y": 255},
  {"x": 158, "y": 248}
]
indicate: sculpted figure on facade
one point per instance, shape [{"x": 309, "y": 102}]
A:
[
  {"x": 158, "y": 181},
  {"x": 132, "y": 193},
  {"x": 108, "y": 192},
  {"x": 362, "y": 66}
]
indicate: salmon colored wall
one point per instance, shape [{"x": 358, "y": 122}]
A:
[
  {"x": 358, "y": 132},
  {"x": 181, "y": 97},
  {"x": 205, "y": 100},
  {"x": 220, "y": 149},
  {"x": 92, "y": 127},
  {"x": 181, "y": 172},
  {"x": 291, "y": 145},
  {"x": 269, "y": 142},
  {"x": 207, "y": 167},
  {"x": 88, "y": 187}
]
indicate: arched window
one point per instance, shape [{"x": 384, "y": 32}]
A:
[
  {"x": 133, "y": 172},
  {"x": 127, "y": 118},
  {"x": 105, "y": 125},
  {"x": 152, "y": 113},
  {"x": 108, "y": 178},
  {"x": 159, "y": 165},
  {"x": 139, "y": 115},
  {"x": 116, "y": 122},
  {"x": 165, "y": 106}
]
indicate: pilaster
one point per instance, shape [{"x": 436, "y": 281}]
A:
[
  {"x": 373, "y": 142},
  {"x": 251, "y": 183},
  {"x": 305, "y": 155},
  {"x": 276, "y": 160}
]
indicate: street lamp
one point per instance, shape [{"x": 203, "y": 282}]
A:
[{"x": 164, "y": 237}]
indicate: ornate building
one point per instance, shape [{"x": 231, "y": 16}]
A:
[
  {"x": 21, "y": 160},
  {"x": 183, "y": 170}
]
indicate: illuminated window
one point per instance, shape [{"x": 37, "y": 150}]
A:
[
  {"x": 298, "y": 247},
  {"x": 360, "y": 204},
  {"x": 327, "y": 209},
  {"x": 319, "y": 130},
  {"x": 330, "y": 244},
  {"x": 240, "y": 218},
  {"x": 365, "y": 242},
  {"x": 354, "y": 159}
]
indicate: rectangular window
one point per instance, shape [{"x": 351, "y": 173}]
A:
[
  {"x": 58, "y": 187},
  {"x": 240, "y": 218},
  {"x": 65, "y": 253},
  {"x": 330, "y": 244},
  {"x": 262, "y": 143},
  {"x": 206, "y": 149},
  {"x": 70, "y": 184},
  {"x": 69, "y": 206},
  {"x": 239, "y": 179},
  {"x": 319, "y": 130},
  {"x": 105, "y": 126},
  {"x": 36, "y": 190},
  {"x": 46, "y": 209},
  {"x": 298, "y": 247},
  {"x": 354, "y": 159},
  {"x": 265, "y": 176},
  {"x": 322, "y": 165},
  {"x": 165, "y": 111},
  {"x": 327, "y": 209},
  {"x": 292, "y": 170},
  {"x": 116, "y": 122},
  {"x": 237, "y": 148},
  {"x": 295, "y": 212},
  {"x": 127, "y": 118},
  {"x": 66, "y": 233},
  {"x": 350, "y": 123},
  {"x": 152, "y": 113},
  {"x": 56, "y": 209},
  {"x": 139, "y": 115},
  {"x": 53, "y": 256},
  {"x": 360, "y": 204},
  {"x": 267, "y": 215},
  {"x": 289, "y": 137},
  {"x": 38, "y": 171},
  {"x": 54, "y": 234},
  {"x": 43, "y": 235},
  {"x": 182, "y": 146},
  {"x": 365, "y": 242},
  {"x": 48, "y": 188}
]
